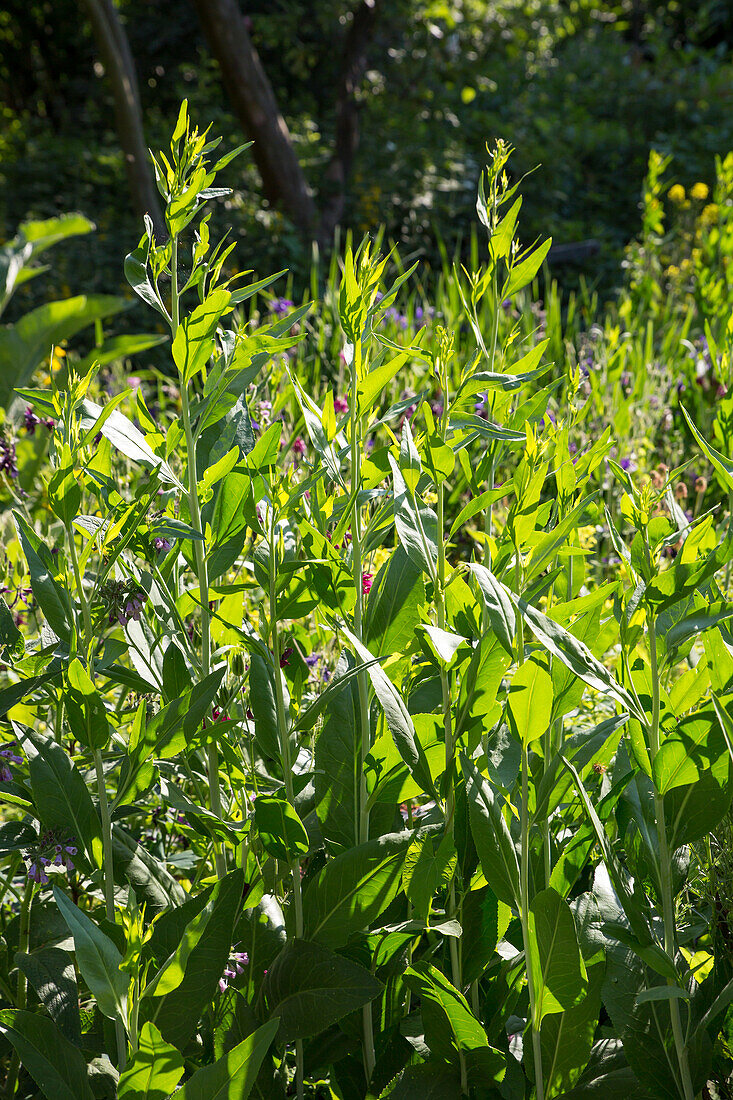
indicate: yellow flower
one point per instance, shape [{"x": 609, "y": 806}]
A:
[
  {"x": 672, "y": 271},
  {"x": 587, "y": 537},
  {"x": 700, "y": 191},
  {"x": 709, "y": 214},
  {"x": 676, "y": 193}
]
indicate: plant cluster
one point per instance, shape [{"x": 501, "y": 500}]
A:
[{"x": 338, "y": 759}]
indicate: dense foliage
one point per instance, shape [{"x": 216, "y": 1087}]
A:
[{"x": 367, "y": 710}]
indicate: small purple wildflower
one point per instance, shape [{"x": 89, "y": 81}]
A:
[
  {"x": 30, "y": 420},
  {"x": 235, "y": 966},
  {"x": 161, "y": 546},
  {"x": 280, "y": 306},
  {"x": 340, "y": 405},
  {"x": 299, "y": 446},
  {"x": 8, "y": 463}
]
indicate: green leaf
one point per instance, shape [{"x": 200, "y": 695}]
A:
[
  {"x": 491, "y": 836},
  {"x": 577, "y": 657},
  {"x": 308, "y": 988},
  {"x": 523, "y": 273},
  {"x": 398, "y": 719},
  {"x": 529, "y": 704},
  {"x": 178, "y": 1013},
  {"x": 280, "y": 829},
  {"x": 61, "y": 795},
  {"x": 53, "y": 600},
  {"x": 55, "y": 1064},
  {"x": 11, "y": 639},
  {"x": 498, "y": 605},
  {"x": 452, "y": 1032},
  {"x": 193, "y": 344},
  {"x": 27, "y": 343},
  {"x": 51, "y": 973},
  {"x": 127, "y": 439},
  {"x": 429, "y": 866},
  {"x": 233, "y": 1076},
  {"x": 98, "y": 960},
  {"x": 556, "y": 964},
  {"x": 417, "y": 525},
  {"x": 154, "y": 1070},
  {"x": 392, "y": 610},
  {"x": 353, "y": 889},
  {"x": 173, "y": 970},
  {"x": 723, "y": 465},
  {"x": 567, "y": 1038}
]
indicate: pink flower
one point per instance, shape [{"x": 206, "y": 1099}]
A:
[
  {"x": 341, "y": 405},
  {"x": 367, "y": 579}
]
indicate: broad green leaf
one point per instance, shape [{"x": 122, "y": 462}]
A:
[
  {"x": 61, "y": 795},
  {"x": 234, "y": 1075},
  {"x": 567, "y": 1038},
  {"x": 27, "y": 343},
  {"x": 178, "y": 1013},
  {"x": 392, "y": 610},
  {"x": 556, "y": 964},
  {"x": 452, "y": 1032},
  {"x": 353, "y": 889},
  {"x": 280, "y": 829},
  {"x": 154, "y": 1070},
  {"x": 55, "y": 1064},
  {"x": 396, "y": 715},
  {"x": 416, "y": 524},
  {"x": 172, "y": 972},
  {"x": 577, "y": 657},
  {"x": 498, "y": 605},
  {"x": 491, "y": 836},
  {"x": 51, "y": 973},
  {"x": 127, "y": 439},
  {"x": 308, "y": 988},
  {"x": 53, "y": 600},
  {"x": 193, "y": 344},
  {"x": 429, "y": 866},
  {"x": 723, "y": 465},
  {"x": 524, "y": 272},
  {"x": 98, "y": 960},
  {"x": 529, "y": 703}
]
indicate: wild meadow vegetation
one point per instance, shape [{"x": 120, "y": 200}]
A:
[{"x": 367, "y": 700}]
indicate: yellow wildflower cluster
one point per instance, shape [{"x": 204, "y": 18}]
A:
[
  {"x": 587, "y": 537},
  {"x": 676, "y": 194},
  {"x": 699, "y": 192}
]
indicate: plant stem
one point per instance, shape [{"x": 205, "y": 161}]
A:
[
  {"x": 22, "y": 984},
  {"x": 357, "y": 565},
  {"x": 106, "y": 821},
  {"x": 524, "y": 869},
  {"x": 287, "y": 764},
  {"x": 447, "y": 723},
  {"x": 665, "y": 877},
  {"x": 212, "y": 751}
]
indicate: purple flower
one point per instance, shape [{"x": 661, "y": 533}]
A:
[
  {"x": 312, "y": 659},
  {"x": 132, "y": 609},
  {"x": 30, "y": 420},
  {"x": 285, "y": 656},
  {"x": 280, "y": 306},
  {"x": 340, "y": 405},
  {"x": 299, "y": 446},
  {"x": 235, "y": 966},
  {"x": 8, "y": 462},
  {"x": 161, "y": 546},
  {"x": 367, "y": 580},
  {"x": 5, "y": 774}
]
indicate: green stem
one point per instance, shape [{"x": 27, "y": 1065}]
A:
[
  {"x": 212, "y": 751},
  {"x": 22, "y": 983},
  {"x": 357, "y": 564},
  {"x": 287, "y": 764},
  {"x": 665, "y": 876},
  {"x": 107, "y": 869},
  {"x": 447, "y": 725},
  {"x": 524, "y": 870}
]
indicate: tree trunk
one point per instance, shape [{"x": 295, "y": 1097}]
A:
[
  {"x": 253, "y": 100},
  {"x": 353, "y": 65},
  {"x": 114, "y": 49}
]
